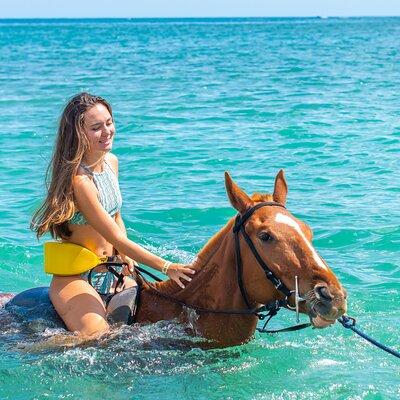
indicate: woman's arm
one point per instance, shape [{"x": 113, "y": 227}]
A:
[
  {"x": 120, "y": 222},
  {"x": 85, "y": 193},
  {"x": 113, "y": 160},
  {"x": 131, "y": 263}
]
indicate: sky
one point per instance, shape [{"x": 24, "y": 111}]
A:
[{"x": 194, "y": 8}]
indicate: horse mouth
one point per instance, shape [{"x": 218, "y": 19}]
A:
[
  {"x": 324, "y": 304},
  {"x": 319, "y": 320}
]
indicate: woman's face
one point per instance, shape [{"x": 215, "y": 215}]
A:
[{"x": 99, "y": 128}]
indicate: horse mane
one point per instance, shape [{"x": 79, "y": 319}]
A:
[
  {"x": 209, "y": 249},
  {"x": 201, "y": 260},
  {"x": 212, "y": 245},
  {"x": 260, "y": 197}
]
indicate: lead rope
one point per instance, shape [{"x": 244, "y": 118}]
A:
[
  {"x": 350, "y": 323},
  {"x": 346, "y": 321},
  {"x": 272, "y": 308}
]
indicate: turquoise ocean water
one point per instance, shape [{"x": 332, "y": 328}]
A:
[{"x": 193, "y": 98}]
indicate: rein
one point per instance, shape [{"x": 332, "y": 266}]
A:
[
  {"x": 253, "y": 311},
  {"x": 266, "y": 311}
]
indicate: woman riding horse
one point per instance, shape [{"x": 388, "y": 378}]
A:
[
  {"x": 83, "y": 208},
  {"x": 261, "y": 259}
]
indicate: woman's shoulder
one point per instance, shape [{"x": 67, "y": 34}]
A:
[
  {"x": 82, "y": 173},
  {"x": 82, "y": 178},
  {"x": 111, "y": 157},
  {"x": 112, "y": 160}
]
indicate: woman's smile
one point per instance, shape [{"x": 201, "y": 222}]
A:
[{"x": 106, "y": 140}]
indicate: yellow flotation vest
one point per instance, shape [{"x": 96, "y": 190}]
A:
[{"x": 69, "y": 259}]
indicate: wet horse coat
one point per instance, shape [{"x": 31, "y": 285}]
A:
[{"x": 283, "y": 241}]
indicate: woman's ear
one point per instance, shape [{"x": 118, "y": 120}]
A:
[
  {"x": 238, "y": 198},
  {"x": 280, "y": 188}
]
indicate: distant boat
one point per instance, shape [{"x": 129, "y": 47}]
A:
[{"x": 322, "y": 17}]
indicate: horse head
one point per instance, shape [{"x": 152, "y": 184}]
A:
[{"x": 285, "y": 245}]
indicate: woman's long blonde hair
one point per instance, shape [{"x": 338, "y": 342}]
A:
[{"x": 71, "y": 144}]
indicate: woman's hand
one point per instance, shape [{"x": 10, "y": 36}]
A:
[
  {"x": 179, "y": 271},
  {"x": 130, "y": 264}
]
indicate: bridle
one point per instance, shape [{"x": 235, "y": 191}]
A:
[
  {"x": 240, "y": 228},
  {"x": 266, "y": 311},
  {"x": 275, "y": 306}
]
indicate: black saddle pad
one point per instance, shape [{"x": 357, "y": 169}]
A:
[{"x": 34, "y": 304}]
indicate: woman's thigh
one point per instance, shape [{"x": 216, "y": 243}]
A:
[{"x": 78, "y": 304}]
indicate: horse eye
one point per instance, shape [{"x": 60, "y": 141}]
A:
[{"x": 264, "y": 236}]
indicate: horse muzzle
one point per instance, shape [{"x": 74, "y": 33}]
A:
[{"x": 327, "y": 304}]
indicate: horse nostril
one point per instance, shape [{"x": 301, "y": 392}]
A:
[{"x": 323, "y": 294}]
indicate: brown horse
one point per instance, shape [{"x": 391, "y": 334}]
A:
[{"x": 284, "y": 243}]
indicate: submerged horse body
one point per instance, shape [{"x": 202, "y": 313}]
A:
[{"x": 281, "y": 241}]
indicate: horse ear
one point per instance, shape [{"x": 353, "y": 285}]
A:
[
  {"x": 280, "y": 188},
  {"x": 238, "y": 198}
]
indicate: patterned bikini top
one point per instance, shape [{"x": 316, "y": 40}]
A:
[{"x": 109, "y": 192}]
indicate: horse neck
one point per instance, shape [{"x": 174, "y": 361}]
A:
[
  {"x": 215, "y": 284},
  {"x": 214, "y": 287}
]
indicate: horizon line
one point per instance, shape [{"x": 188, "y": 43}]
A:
[{"x": 208, "y": 17}]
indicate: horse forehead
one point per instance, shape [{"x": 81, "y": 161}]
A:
[
  {"x": 275, "y": 214},
  {"x": 265, "y": 214},
  {"x": 289, "y": 221}
]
